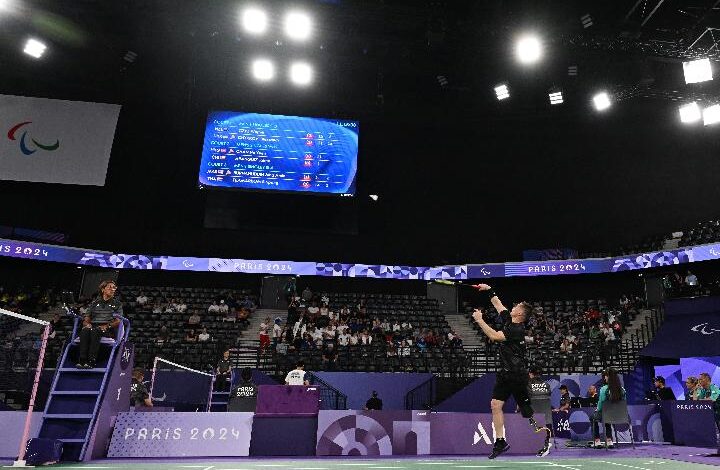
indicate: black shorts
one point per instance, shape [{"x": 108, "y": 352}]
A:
[{"x": 515, "y": 384}]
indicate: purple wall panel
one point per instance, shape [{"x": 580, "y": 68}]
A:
[{"x": 358, "y": 387}]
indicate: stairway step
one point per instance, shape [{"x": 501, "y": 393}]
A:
[
  {"x": 97, "y": 370},
  {"x": 86, "y": 392},
  {"x": 67, "y": 416},
  {"x": 71, "y": 441}
]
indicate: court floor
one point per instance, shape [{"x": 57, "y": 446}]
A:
[{"x": 401, "y": 464}]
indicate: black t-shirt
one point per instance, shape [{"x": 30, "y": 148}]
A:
[
  {"x": 223, "y": 366},
  {"x": 512, "y": 350},
  {"x": 374, "y": 403},
  {"x": 103, "y": 311},
  {"x": 665, "y": 393},
  {"x": 538, "y": 388},
  {"x": 138, "y": 393}
]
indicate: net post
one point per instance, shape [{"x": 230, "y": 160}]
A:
[
  {"x": 212, "y": 387},
  {"x": 152, "y": 378},
  {"x": 20, "y": 462}
]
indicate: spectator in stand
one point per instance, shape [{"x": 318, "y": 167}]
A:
[
  {"x": 530, "y": 336},
  {"x": 324, "y": 310},
  {"x": 277, "y": 332},
  {"x": 223, "y": 307},
  {"x": 314, "y": 311},
  {"x": 264, "y": 334},
  {"x": 374, "y": 403},
  {"x": 329, "y": 357},
  {"x": 231, "y": 316},
  {"x": 365, "y": 338},
  {"x": 190, "y": 336},
  {"x": 222, "y": 373},
  {"x": 55, "y": 323},
  {"x": 141, "y": 299},
  {"x": 624, "y": 302},
  {"x": 157, "y": 308},
  {"x": 194, "y": 318},
  {"x": 608, "y": 333},
  {"x": 595, "y": 332},
  {"x": 307, "y": 294},
  {"x": 421, "y": 344},
  {"x": 707, "y": 391},
  {"x": 163, "y": 336},
  {"x": 661, "y": 391},
  {"x": 343, "y": 338},
  {"x": 566, "y": 346},
  {"x": 354, "y": 340},
  {"x": 691, "y": 384},
  {"x": 248, "y": 304},
  {"x": 571, "y": 338},
  {"x": 214, "y": 307},
  {"x": 180, "y": 306},
  {"x": 396, "y": 326},
  {"x": 203, "y": 336},
  {"x": 385, "y": 325},
  {"x": 564, "y": 399}
]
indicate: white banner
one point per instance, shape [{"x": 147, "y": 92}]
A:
[{"x": 55, "y": 141}]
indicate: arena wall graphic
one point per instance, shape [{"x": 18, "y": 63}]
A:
[{"x": 79, "y": 256}]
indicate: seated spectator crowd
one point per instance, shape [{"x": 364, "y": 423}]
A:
[{"x": 361, "y": 332}]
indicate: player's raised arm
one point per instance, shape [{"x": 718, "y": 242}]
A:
[{"x": 494, "y": 299}]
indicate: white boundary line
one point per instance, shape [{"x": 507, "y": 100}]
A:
[{"x": 23, "y": 317}]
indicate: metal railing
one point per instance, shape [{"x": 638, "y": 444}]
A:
[
  {"x": 423, "y": 396},
  {"x": 330, "y": 397}
]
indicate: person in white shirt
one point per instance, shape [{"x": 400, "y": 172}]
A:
[
  {"x": 204, "y": 335},
  {"x": 344, "y": 339},
  {"x": 354, "y": 339},
  {"x": 194, "y": 319},
  {"x": 385, "y": 325},
  {"x": 325, "y": 299},
  {"x": 365, "y": 338},
  {"x": 313, "y": 309},
  {"x": 223, "y": 308},
  {"x": 406, "y": 325},
  {"x": 691, "y": 279},
  {"x": 277, "y": 332},
  {"x": 396, "y": 326},
  {"x": 299, "y": 327},
  {"x": 570, "y": 337},
  {"x": 142, "y": 299},
  {"x": 214, "y": 308},
  {"x": 608, "y": 332},
  {"x": 156, "y": 309},
  {"x": 180, "y": 307},
  {"x": 297, "y": 376}
]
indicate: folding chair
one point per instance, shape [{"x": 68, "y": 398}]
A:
[
  {"x": 544, "y": 407},
  {"x": 616, "y": 413}
]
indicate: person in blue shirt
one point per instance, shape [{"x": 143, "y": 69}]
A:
[{"x": 612, "y": 391}]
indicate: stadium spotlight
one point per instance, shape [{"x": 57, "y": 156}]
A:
[
  {"x": 711, "y": 114},
  {"x": 528, "y": 49},
  {"x": 301, "y": 73},
  {"x": 502, "y": 92},
  {"x": 601, "y": 101},
  {"x": 556, "y": 97},
  {"x": 297, "y": 26},
  {"x": 34, "y": 48},
  {"x": 263, "y": 70},
  {"x": 254, "y": 21},
  {"x": 697, "y": 71},
  {"x": 690, "y": 113}
]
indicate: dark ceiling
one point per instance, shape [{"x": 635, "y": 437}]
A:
[{"x": 461, "y": 176}]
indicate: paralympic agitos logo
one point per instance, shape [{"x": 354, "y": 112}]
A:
[{"x": 25, "y": 147}]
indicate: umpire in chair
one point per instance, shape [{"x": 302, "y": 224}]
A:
[{"x": 100, "y": 321}]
